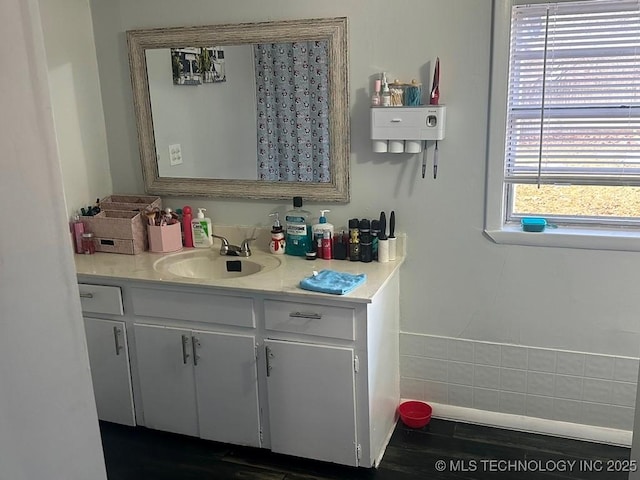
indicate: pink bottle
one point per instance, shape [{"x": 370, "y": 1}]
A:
[
  {"x": 186, "y": 226},
  {"x": 78, "y": 230}
]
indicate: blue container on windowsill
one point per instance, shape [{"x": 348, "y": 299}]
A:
[{"x": 533, "y": 224}]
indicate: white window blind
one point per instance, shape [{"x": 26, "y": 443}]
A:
[{"x": 574, "y": 94}]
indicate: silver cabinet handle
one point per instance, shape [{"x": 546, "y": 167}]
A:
[
  {"x": 86, "y": 295},
  {"x": 195, "y": 343},
  {"x": 116, "y": 339},
  {"x": 269, "y": 355},
  {"x": 185, "y": 344},
  {"x": 310, "y": 315}
]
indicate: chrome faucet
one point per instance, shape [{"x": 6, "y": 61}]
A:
[{"x": 233, "y": 250}]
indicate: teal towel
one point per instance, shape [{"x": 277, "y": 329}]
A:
[{"x": 330, "y": 281}]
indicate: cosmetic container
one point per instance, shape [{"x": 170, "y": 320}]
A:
[
  {"x": 326, "y": 245},
  {"x": 78, "y": 230},
  {"x": 88, "y": 244},
  {"x": 354, "y": 240},
  {"x": 187, "y": 217},
  {"x": 365, "y": 241}
]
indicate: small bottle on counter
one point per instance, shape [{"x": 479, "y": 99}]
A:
[
  {"x": 365, "y": 240},
  {"x": 88, "y": 243},
  {"x": 327, "y": 241},
  {"x": 354, "y": 240},
  {"x": 277, "y": 243},
  {"x": 375, "y": 232},
  {"x": 78, "y": 230},
  {"x": 187, "y": 232}
]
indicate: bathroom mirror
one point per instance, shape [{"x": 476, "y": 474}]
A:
[{"x": 173, "y": 59}]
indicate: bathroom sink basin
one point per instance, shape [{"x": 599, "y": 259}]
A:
[{"x": 210, "y": 265}]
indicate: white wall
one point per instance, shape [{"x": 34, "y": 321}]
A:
[
  {"x": 48, "y": 422},
  {"x": 75, "y": 98}
]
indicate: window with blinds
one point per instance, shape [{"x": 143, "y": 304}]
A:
[{"x": 573, "y": 109}]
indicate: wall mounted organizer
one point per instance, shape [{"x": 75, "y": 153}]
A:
[{"x": 403, "y": 129}]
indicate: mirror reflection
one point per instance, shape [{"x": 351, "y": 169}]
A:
[{"x": 248, "y": 110}]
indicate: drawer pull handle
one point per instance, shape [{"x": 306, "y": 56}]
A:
[
  {"x": 86, "y": 295},
  {"x": 396, "y": 120},
  {"x": 185, "y": 344},
  {"x": 195, "y": 343},
  {"x": 116, "y": 339},
  {"x": 309, "y": 315},
  {"x": 269, "y": 356}
]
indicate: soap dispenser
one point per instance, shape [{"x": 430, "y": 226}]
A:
[
  {"x": 277, "y": 243},
  {"x": 202, "y": 231}
]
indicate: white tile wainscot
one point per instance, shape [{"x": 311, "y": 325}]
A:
[
  {"x": 573, "y": 394},
  {"x": 244, "y": 360}
]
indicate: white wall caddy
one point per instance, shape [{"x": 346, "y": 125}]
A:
[{"x": 403, "y": 129}]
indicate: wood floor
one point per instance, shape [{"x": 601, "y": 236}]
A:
[{"x": 468, "y": 452}]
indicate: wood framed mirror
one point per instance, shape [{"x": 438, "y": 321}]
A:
[{"x": 330, "y": 33}]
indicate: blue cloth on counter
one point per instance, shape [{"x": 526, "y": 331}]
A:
[{"x": 330, "y": 281}]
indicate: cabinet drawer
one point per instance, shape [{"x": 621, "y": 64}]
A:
[
  {"x": 195, "y": 307},
  {"x": 309, "y": 319},
  {"x": 101, "y": 299}
]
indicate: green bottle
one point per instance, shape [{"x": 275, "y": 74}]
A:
[{"x": 298, "y": 231}]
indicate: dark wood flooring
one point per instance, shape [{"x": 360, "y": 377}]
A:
[{"x": 468, "y": 451}]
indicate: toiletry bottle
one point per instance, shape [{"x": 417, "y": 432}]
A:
[
  {"x": 375, "y": 232},
  {"x": 365, "y": 240},
  {"x": 78, "y": 230},
  {"x": 318, "y": 233},
  {"x": 201, "y": 230},
  {"x": 354, "y": 240},
  {"x": 340, "y": 247},
  {"x": 298, "y": 233},
  {"x": 187, "y": 218},
  {"x": 88, "y": 243},
  {"x": 277, "y": 243},
  {"x": 383, "y": 242},
  {"x": 327, "y": 244},
  {"x": 376, "y": 99},
  {"x": 386, "y": 94}
]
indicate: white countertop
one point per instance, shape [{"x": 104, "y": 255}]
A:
[{"x": 283, "y": 280}]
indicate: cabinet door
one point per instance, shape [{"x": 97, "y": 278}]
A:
[
  {"x": 312, "y": 410},
  {"x": 227, "y": 387},
  {"x": 109, "y": 362},
  {"x": 165, "y": 368}
]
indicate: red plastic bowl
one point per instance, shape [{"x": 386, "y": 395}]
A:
[{"x": 415, "y": 414}]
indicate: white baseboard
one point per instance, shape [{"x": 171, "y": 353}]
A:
[{"x": 554, "y": 428}]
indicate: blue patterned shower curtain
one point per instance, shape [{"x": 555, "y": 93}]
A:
[{"x": 293, "y": 111}]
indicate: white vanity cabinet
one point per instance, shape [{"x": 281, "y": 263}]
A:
[
  {"x": 303, "y": 374},
  {"x": 200, "y": 383},
  {"x": 196, "y": 363},
  {"x": 108, "y": 353},
  {"x": 312, "y": 404}
]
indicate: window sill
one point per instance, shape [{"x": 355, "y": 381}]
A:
[{"x": 568, "y": 237}]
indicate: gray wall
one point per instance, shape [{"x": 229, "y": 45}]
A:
[{"x": 456, "y": 283}]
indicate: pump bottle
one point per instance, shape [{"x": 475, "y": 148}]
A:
[
  {"x": 277, "y": 243},
  {"x": 201, "y": 230},
  {"x": 318, "y": 234}
]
